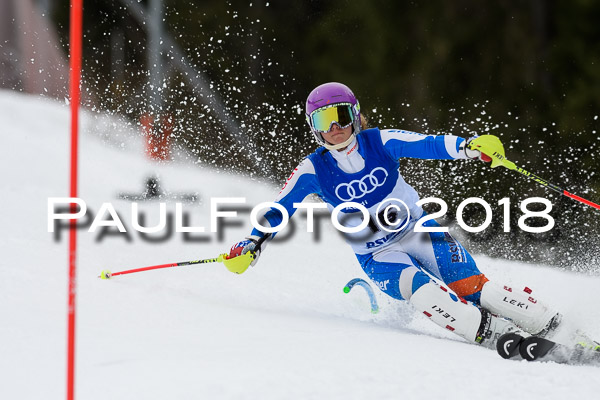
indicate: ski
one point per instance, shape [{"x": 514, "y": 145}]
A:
[{"x": 533, "y": 348}]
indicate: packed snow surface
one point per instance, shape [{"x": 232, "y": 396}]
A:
[{"x": 283, "y": 329}]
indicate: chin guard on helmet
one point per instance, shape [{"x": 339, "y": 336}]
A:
[{"x": 338, "y": 146}]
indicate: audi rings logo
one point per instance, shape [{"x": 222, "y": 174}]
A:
[{"x": 360, "y": 187}]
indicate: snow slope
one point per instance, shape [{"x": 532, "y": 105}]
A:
[{"x": 284, "y": 329}]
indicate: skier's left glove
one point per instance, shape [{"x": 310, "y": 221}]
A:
[
  {"x": 242, "y": 255},
  {"x": 472, "y": 151}
]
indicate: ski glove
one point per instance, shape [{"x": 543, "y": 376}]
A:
[
  {"x": 489, "y": 146},
  {"x": 242, "y": 255},
  {"x": 472, "y": 150}
]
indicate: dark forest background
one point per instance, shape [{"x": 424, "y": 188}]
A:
[{"x": 526, "y": 71}]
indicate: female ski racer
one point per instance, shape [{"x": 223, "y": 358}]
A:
[{"x": 360, "y": 165}]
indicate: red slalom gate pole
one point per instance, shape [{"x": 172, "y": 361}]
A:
[{"x": 75, "y": 45}]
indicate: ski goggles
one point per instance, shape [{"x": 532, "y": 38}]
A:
[{"x": 322, "y": 119}]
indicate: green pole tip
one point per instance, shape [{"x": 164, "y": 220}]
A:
[
  {"x": 375, "y": 311},
  {"x": 346, "y": 289}
]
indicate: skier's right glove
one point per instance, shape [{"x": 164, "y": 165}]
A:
[{"x": 242, "y": 255}]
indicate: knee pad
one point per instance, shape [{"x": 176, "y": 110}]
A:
[
  {"x": 447, "y": 310},
  {"x": 530, "y": 314},
  {"x": 469, "y": 288}
]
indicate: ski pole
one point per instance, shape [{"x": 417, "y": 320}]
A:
[
  {"x": 552, "y": 186},
  {"x": 106, "y": 274},
  {"x": 492, "y": 147}
]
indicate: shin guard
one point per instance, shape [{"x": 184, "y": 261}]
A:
[
  {"x": 530, "y": 314},
  {"x": 447, "y": 310}
]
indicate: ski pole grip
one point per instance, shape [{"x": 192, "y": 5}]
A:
[{"x": 260, "y": 241}]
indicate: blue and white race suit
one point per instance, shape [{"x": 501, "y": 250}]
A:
[{"x": 367, "y": 172}]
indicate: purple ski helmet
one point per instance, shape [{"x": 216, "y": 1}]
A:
[{"x": 331, "y": 103}]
